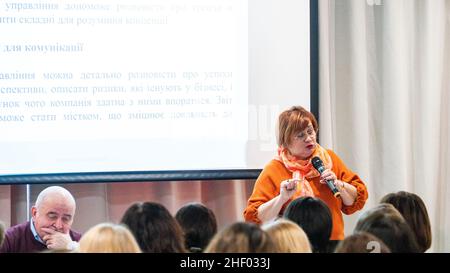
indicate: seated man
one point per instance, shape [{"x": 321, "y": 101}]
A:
[{"x": 49, "y": 227}]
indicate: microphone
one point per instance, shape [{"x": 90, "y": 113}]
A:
[{"x": 318, "y": 164}]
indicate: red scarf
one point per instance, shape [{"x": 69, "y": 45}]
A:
[{"x": 303, "y": 169}]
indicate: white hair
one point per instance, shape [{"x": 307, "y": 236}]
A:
[{"x": 52, "y": 191}]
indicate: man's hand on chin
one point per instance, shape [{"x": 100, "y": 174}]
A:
[{"x": 57, "y": 240}]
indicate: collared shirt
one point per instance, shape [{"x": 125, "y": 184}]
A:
[{"x": 35, "y": 234}]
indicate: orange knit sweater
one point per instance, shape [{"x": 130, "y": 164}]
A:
[{"x": 267, "y": 186}]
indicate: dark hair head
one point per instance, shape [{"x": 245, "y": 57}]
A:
[
  {"x": 241, "y": 237},
  {"x": 386, "y": 223},
  {"x": 293, "y": 121},
  {"x": 155, "y": 229},
  {"x": 362, "y": 242},
  {"x": 199, "y": 225},
  {"x": 314, "y": 217},
  {"x": 415, "y": 214}
]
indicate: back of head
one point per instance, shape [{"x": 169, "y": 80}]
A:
[
  {"x": 288, "y": 237},
  {"x": 314, "y": 217},
  {"x": 199, "y": 225},
  {"x": 155, "y": 229},
  {"x": 362, "y": 242},
  {"x": 241, "y": 237},
  {"x": 386, "y": 223},
  {"x": 413, "y": 210},
  {"x": 108, "y": 238}
]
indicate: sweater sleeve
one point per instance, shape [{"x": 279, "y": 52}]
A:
[
  {"x": 264, "y": 190},
  {"x": 346, "y": 175}
]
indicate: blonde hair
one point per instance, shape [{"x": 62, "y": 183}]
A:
[
  {"x": 241, "y": 237},
  {"x": 288, "y": 237},
  {"x": 108, "y": 238}
]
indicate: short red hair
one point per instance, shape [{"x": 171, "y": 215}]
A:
[{"x": 293, "y": 121}]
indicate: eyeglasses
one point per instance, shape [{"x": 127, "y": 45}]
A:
[{"x": 309, "y": 132}]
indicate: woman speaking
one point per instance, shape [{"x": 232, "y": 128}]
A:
[{"x": 291, "y": 174}]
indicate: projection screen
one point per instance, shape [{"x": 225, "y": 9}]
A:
[{"x": 127, "y": 90}]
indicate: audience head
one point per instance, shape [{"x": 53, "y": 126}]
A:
[
  {"x": 314, "y": 217},
  {"x": 54, "y": 209},
  {"x": 155, "y": 229},
  {"x": 287, "y": 237},
  {"x": 386, "y": 223},
  {"x": 199, "y": 225},
  {"x": 362, "y": 242},
  {"x": 241, "y": 237},
  {"x": 108, "y": 238},
  {"x": 415, "y": 214}
]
